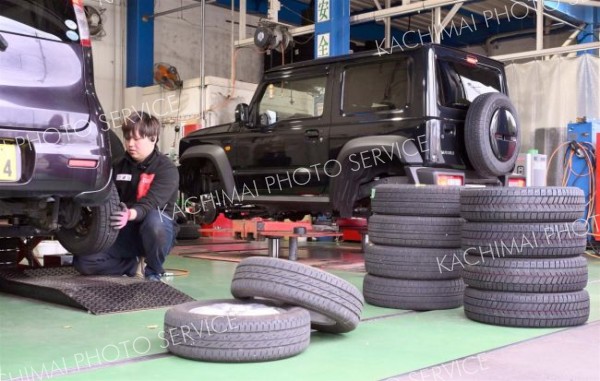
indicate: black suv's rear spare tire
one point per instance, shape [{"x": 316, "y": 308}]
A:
[
  {"x": 335, "y": 304},
  {"x": 416, "y": 200},
  {"x": 492, "y": 135},
  {"x": 92, "y": 232},
  {"x": 232, "y": 330}
]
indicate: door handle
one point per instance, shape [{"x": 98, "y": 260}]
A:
[
  {"x": 3, "y": 44},
  {"x": 312, "y": 134}
]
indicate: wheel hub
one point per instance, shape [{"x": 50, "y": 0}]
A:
[{"x": 503, "y": 134}]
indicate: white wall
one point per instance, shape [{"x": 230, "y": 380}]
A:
[
  {"x": 109, "y": 54},
  {"x": 178, "y": 41}
]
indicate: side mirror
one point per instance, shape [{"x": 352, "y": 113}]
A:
[{"x": 241, "y": 113}]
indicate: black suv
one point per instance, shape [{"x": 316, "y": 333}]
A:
[
  {"x": 319, "y": 135},
  {"x": 55, "y": 161}
]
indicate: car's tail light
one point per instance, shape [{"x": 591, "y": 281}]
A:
[
  {"x": 82, "y": 163},
  {"x": 452, "y": 180},
  {"x": 84, "y": 31},
  {"x": 517, "y": 182}
]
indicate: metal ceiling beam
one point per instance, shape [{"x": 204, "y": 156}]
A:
[
  {"x": 373, "y": 16},
  {"x": 450, "y": 15},
  {"x": 547, "y": 52},
  {"x": 539, "y": 25}
]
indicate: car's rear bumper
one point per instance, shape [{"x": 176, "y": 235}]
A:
[{"x": 46, "y": 167}]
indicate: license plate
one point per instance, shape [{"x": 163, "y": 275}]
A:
[{"x": 9, "y": 168}]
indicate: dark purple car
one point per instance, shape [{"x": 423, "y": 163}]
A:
[{"x": 55, "y": 160}]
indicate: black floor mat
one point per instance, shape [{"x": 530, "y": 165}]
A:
[{"x": 95, "y": 294}]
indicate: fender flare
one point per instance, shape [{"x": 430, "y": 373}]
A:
[
  {"x": 218, "y": 157},
  {"x": 344, "y": 188},
  {"x": 401, "y": 147}
]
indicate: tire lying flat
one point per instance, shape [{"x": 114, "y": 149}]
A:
[
  {"x": 412, "y": 200},
  {"x": 527, "y": 275},
  {"x": 335, "y": 304},
  {"x": 412, "y": 262},
  {"x": 518, "y": 240},
  {"x": 282, "y": 332},
  {"x": 531, "y": 204},
  {"x": 418, "y": 295},
  {"x": 411, "y": 231},
  {"x": 526, "y": 309}
]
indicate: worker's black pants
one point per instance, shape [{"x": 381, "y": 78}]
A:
[{"x": 153, "y": 238}]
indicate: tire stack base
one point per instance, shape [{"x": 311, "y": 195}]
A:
[
  {"x": 414, "y": 234},
  {"x": 524, "y": 264}
]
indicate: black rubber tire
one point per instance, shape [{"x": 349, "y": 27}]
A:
[
  {"x": 188, "y": 230},
  {"x": 478, "y": 136},
  {"x": 511, "y": 240},
  {"x": 526, "y": 275},
  {"x": 412, "y": 200},
  {"x": 411, "y": 262},
  {"x": 418, "y": 295},
  {"x": 535, "y": 310},
  {"x": 93, "y": 233},
  {"x": 236, "y": 338},
  {"x": 532, "y": 204},
  {"x": 414, "y": 231},
  {"x": 297, "y": 284}
]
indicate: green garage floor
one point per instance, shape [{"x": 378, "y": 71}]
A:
[{"x": 40, "y": 340}]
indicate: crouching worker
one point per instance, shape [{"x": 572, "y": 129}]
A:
[{"x": 147, "y": 182}]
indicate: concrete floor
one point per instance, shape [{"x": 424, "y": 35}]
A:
[{"x": 40, "y": 340}]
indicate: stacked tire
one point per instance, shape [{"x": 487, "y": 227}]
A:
[
  {"x": 522, "y": 252},
  {"x": 415, "y": 236},
  {"x": 277, "y": 303}
]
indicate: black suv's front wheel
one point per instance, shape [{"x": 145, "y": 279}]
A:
[
  {"x": 492, "y": 135},
  {"x": 92, "y": 232}
]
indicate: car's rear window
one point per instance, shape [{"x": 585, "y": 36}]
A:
[
  {"x": 48, "y": 19},
  {"x": 380, "y": 86},
  {"x": 460, "y": 83}
]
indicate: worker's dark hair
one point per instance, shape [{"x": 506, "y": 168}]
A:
[{"x": 142, "y": 123}]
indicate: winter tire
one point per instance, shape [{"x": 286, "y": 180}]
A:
[
  {"x": 411, "y": 200},
  {"x": 412, "y": 262},
  {"x": 532, "y": 204},
  {"x": 419, "y": 295},
  {"x": 527, "y": 310},
  {"x": 526, "y": 275},
  {"x": 512, "y": 240},
  {"x": 415, "y": 231}
]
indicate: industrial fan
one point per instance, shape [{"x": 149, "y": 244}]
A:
[
  {"x": 269, "y": 35},
  {"x": 167, "y": 76}
]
